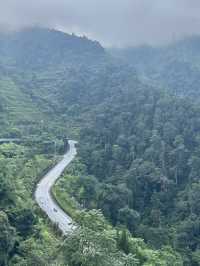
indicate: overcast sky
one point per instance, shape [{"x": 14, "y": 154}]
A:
[{"x": 112, "y": 22}]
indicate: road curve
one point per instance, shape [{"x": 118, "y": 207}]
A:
[{"x": 43, "y": 191}]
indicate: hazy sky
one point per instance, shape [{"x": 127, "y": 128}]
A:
[{"x": 112, "y": 22}]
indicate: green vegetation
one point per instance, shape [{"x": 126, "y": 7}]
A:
[
  {"x": 23, "y": 233},
  {"x": 66, "y": 201},
  {"x": 141, "y": 160},
  {"x": 175, "y": 67},
  {"x": 137, "y": 124},
  {"x": 95, "y": 243}
]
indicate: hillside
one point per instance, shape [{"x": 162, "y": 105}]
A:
[
  {"x": 138, "y": 153},
  {"x": 37, "y": 48},
  {"x": 39, "y": 69},
  {"x": 175, "y": 67}
]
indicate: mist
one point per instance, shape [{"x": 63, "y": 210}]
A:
[{"x": 112, "y": 22}]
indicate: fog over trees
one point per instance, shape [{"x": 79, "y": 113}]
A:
[{"x": 133, "y": 188}]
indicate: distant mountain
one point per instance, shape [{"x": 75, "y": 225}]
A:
[
  {"x": 54, "y": 74},
  {"x": 39, "y": 70},
  {"x": 175, "y": 67},
  {"x": 139, "y": 145},
  {"x": 37, "y": 48}
]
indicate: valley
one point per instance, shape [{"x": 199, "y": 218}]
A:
[{"x": 133, "y": 187}]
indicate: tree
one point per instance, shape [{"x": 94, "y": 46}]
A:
[
  {"x": 7, "y": 194},
  {"x": 92, "y": 243},
  {"x": 123, "y": 241},
  {"x": 129, "y": 217},
  {"x": 88, "y": 190},
  {"x": 24, "y": 220},
  {"x": 7, "y": 239}
]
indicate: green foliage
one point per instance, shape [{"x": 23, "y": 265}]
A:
[
  {"x": 7, "y": 239},
  {"x": 139, "y": 149},
  {"x": 140, "y": 162},
  {"x": 19, "y": 223},
  {"x": 94, "y": 243},
  {"x": 174, "y": 67}
]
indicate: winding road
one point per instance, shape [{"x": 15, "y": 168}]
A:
[{"x": 43, "y": 192}]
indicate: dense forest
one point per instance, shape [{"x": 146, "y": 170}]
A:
[
  {"x": 133, "y": 189},
  {"x": 174, "y": 67}
]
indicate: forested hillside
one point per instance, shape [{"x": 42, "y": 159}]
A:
[
  {"x": 138, "y": 128},
  {"x": 174, "y": 67},
  {"x": 141, "y": 161}
]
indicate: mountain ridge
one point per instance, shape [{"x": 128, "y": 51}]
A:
[{"x": 48, "y": 47}]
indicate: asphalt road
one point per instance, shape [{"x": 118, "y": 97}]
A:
[{"x": 43, "y": 194}]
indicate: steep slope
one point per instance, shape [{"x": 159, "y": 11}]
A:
[
  {"x": 175, "y": 67},
  {"x": 51, "y": 83},
  {"x": 16, "y": 107},
  {"x": 139, "y": 148},
  {"x": 38, "y": 48},
  {"x": 42, "y": 73}
]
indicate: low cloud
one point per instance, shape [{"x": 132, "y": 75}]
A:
[{"x": 112, "y": 22}]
